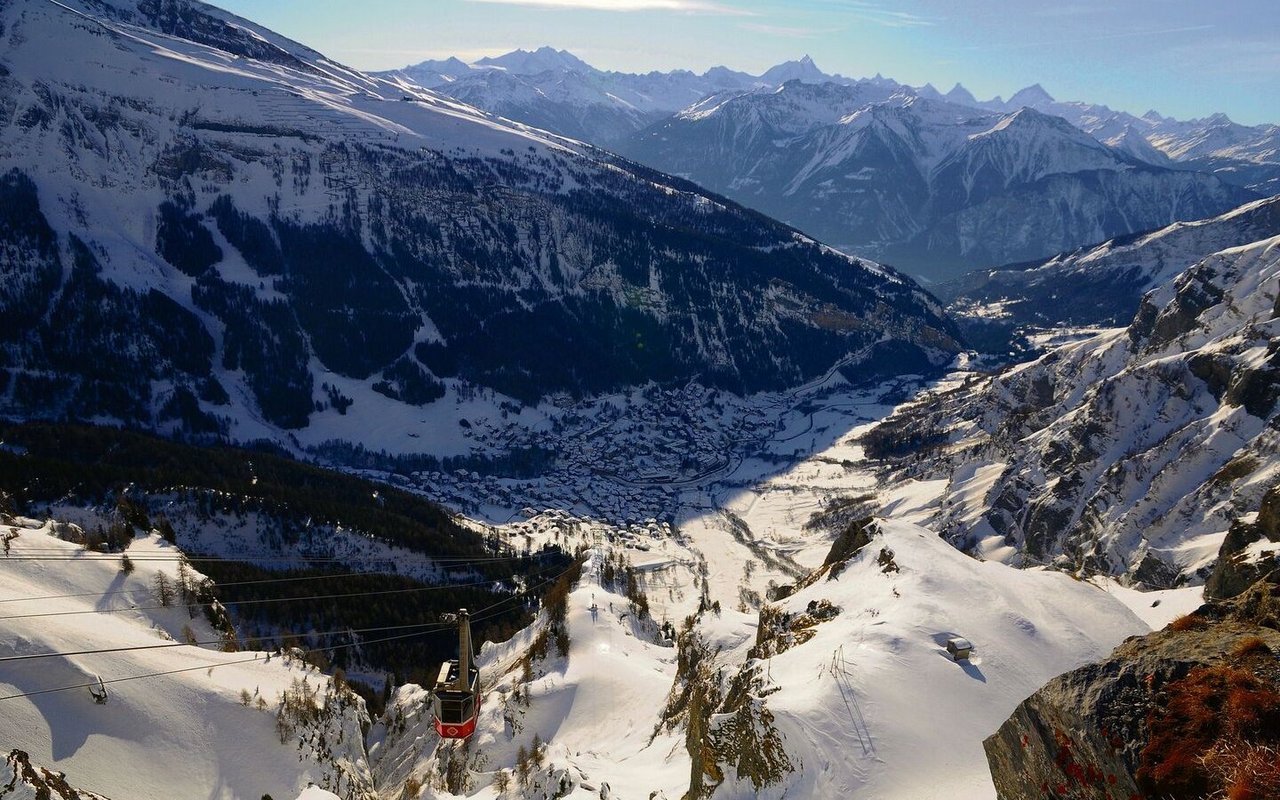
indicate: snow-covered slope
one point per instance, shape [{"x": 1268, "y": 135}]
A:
[
  {"x": 1131, "y": 141},
  {"x": 180, "y": 721},
  {"x": 596, "y": 708},
  {"x": 842, "y": 689},
  {"x": 1131, "y": 453},
  {"x": 1215, "y": 136},
  {"x": 852, "y": 674},
  {"x": 264, "y": 236},
  {"x": 1243, "y": 155}
]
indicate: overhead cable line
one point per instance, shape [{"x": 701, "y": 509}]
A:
[
  {"x": 408, "y": 590},
  {"x": 481, "y": 615},
  {"x": 60, "y": 554},
  {"x": 218, "y": 584}
]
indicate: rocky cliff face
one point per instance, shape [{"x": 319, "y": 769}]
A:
[
  {"x": 1130, "y": 453},
  {"x": 1188, "y": 712}
]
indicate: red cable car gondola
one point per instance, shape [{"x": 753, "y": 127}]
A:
[{"x": 456, "y": 696}]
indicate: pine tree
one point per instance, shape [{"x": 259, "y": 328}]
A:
[
  {"x": 162, "y": 588},
  {"x": 166, "y": 530},
  {"x": 185, "y": 587},
  {"x": 522, "y": 766}
]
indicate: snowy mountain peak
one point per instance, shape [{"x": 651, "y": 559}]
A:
[
  {"x": 1027, "y": 118},
  {"x": 961, "y": 95},
  {"x": 722, "y": 74},
  {"x": 929, "y": 91},
  {"x": 536, "y": 62},
  {"x": 1034, "y": 95},
  {"x": 1133, "y": 143},
  {"x": 803, "y": 70}
]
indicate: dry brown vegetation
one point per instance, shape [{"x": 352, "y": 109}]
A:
[
  {"x": 1215, "y": 735},
  {"x": 1189, "y": 622},
  {"x": 1252, "y": 645}
]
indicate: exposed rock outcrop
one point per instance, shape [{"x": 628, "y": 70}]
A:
[
  {"x": 1188, "y": 711},
  {"x": 20, "y": 780},
  {"x": 1246, "y": 555}
]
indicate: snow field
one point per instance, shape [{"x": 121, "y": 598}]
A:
[
  {"x": 873, "y": 705},
  {"x": 169, "y": 737}
]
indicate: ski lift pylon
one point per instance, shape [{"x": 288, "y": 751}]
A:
[{"x": 99, "y": 692}]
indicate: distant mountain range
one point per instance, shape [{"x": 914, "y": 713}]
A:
[
  {"x": 935, "y": 183},
  {"x": 210, "y": 229}
]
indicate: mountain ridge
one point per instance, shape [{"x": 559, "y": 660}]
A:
[
  {"x": 875, "y": 198},
  {"x": 314, "y": 237},
  {"x": 931, "y": 186}
]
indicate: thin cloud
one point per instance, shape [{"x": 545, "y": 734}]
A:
[
  {"x": 681, "y": 6},
  {"x": 1101, "y": 37},
  {"x": 781, "y": 30},
  {"x": 1063, "y": 11},
  {"x": 877, "y": 14},
  {"x": 1233, "y": 56},
  {"x": 1159, "y": 32}
]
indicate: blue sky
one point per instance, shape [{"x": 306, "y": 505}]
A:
[{"x": 1183, "y": 58}]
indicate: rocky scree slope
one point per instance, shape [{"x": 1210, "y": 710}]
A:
[
  {"x": 209, "y": 228},
  {"x": 1131, "y": 453}
]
